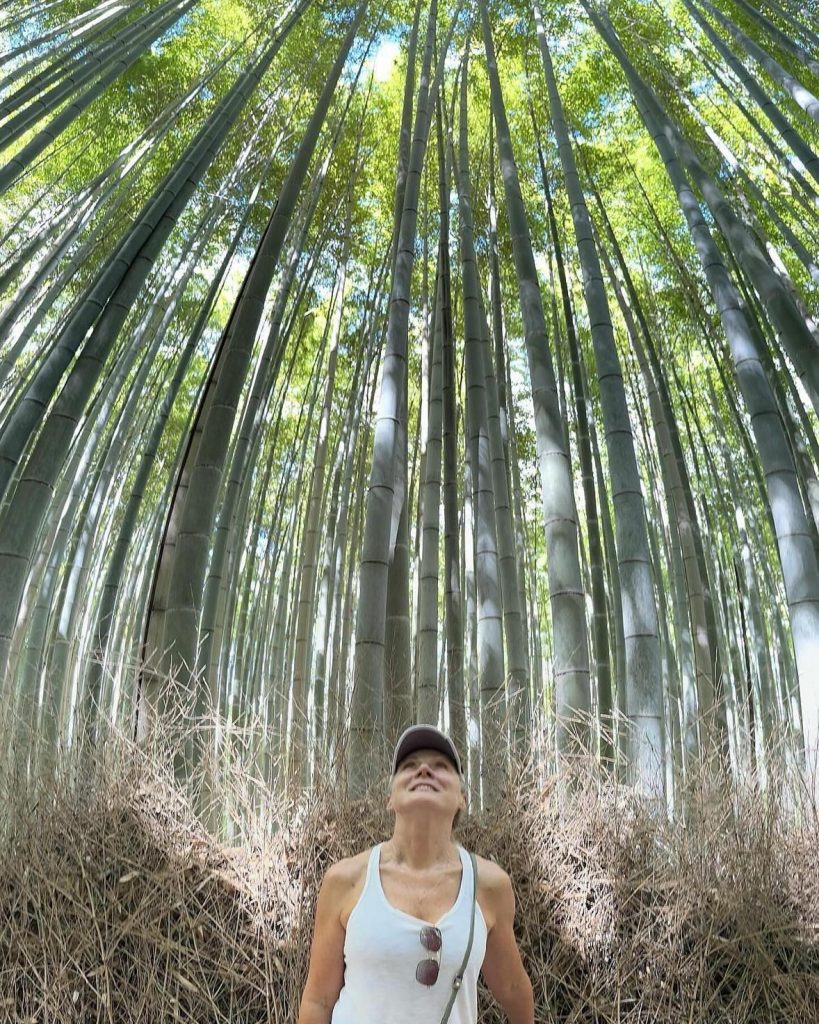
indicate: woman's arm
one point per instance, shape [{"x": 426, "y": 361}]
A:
[
  {"x": 503, "y": 969},
  {"x": 326, "y": 974}
]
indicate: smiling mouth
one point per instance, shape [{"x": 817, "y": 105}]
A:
[{"x": 424, "y": 785}]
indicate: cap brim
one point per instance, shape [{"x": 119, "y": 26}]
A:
[{"x": 424, "y": 737}]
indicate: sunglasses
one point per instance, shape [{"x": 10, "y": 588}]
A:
[{"x": 427, "y": 970}]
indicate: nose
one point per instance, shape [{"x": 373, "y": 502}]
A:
[{"x": 423, "y": 771}]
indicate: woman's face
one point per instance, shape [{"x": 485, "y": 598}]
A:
[{"x": 426, "y": 780}]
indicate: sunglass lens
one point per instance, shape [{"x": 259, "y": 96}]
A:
[
  {"x": 431, "y": 939},
  {"x": 427, "y": 972}
]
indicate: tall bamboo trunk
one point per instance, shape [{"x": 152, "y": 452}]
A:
[
  {"x": 797, "y": 555},
  {"x": 114, "y": 290},
  {"x": 427, "y": 661},
  {"x": 765, "y": 103},
  {"x": 798, "y": 92},
  {"x": 566, "y": 592},
  {"x": 384, "y": 497},
  {"x": 600, "y": 630},
  {"x": 131, "y": 52},
  {"x": 194, "y": 507},
  {"x": 299, "y": 734},
  {"x": 491, "y": 671},
  {"x": 517, "y": 676},
  {"x": 453, "y": 592},
  {"x": 644, "y": 699}
]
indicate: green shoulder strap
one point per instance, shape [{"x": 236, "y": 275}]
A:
[{"x": 459, "y": 977}]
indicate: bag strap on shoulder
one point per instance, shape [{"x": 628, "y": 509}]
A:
[{"x": 459, "y": 977}]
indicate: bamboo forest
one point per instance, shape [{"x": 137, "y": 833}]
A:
[{"x": 373, "y": 362}]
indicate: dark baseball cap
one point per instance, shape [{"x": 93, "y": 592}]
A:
[{"x": 424, "y": 737}]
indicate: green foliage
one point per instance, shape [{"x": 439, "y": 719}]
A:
[{"x": 178, "y": 82}]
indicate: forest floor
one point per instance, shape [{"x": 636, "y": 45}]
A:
[{"x": 117, "y": 905}]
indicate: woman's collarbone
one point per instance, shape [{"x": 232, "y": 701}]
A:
[{"x": 427, "y": 897}]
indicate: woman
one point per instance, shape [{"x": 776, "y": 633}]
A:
[{"x": 393, "y": 923}]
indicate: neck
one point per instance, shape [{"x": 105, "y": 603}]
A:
[{"x": 422, "y": 847}]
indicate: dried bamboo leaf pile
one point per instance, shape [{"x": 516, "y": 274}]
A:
[{"x": 116, "y": 905}]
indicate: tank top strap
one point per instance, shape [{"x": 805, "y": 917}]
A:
[
  {"x": 372, "y": 868},
  {"x": 465, "y": 860},
  {"x": 467, "y": 881}
]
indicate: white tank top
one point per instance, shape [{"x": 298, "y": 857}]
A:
[{"x": 383, "y": 946}]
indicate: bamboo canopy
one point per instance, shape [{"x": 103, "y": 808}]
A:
[{"x": 363, "y": 364}]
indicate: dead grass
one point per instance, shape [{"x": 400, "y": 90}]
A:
[{"x": 116, "y": 905}]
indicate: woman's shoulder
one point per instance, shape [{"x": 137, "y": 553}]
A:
[
  {"x": 494, "y": 885},
  {"x": 490, "y": 873},
  {"x": 344, "y": 881},
  {"x": 348, "y": 870},
  {"x": 494, "y": 890}
]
